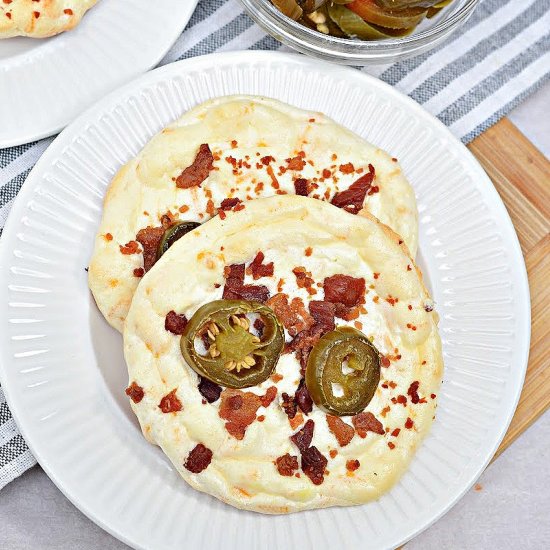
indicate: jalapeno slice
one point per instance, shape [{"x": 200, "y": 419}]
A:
[
  {"x": 173, "y": 233},
  {"x": 232, "y": 355},
  {"x": 343, "y": 371}
]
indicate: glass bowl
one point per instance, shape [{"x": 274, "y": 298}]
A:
[{"x": 427, "y": 35}]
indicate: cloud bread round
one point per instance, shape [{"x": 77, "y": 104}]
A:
[
  {"x": 255, "y": 142},
  {"x": 40, "y": 18},
  {"x": 397, "y": 314}
]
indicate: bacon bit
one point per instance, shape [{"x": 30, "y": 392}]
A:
[
  {"x": 261, "y": 418},
  {"x": 342, "y": 432},
  {"x": 131, "y": 247},
  {"x": 343, "y": 289},
  {"x": 287, "y": 464},
  {"x": 234, "y": 288},
  {"x": 376, "y": 275},
  {"x": 297, "y": 421},
  {"x": 135, "y": 392},
  {"x": 326, "y": 173},
  {"x": 302, "y": 397},
  {"x": 352, "y": 465},
  {"x": 366, "y": 422},
  {"x": 197, "y": 172},
  {"x": 301, "y": 187},
  {"x": 385, "y": 411},
  {"x": 302, "y": 439},
  {"x": 395, "y": 432},
  {"x": 384, "y": 361},
  {"x": 409, "y": 423},
  {"x": 268, "y": 397},
  {"x": 108, "y": 237},
  {"x": 149, "y": 238},
  {"x": 412, "y": 392},
  {"x": 313, "y": 465},
  {"x": 433, "y": 396},
  {"x": 333, "y": 453},
  {"x": 308, "y": 251},
  {"x": 289, "y": 405},
  {"x": 347, "y": 168},
  {"x": 234, "y": 144},
  {"x": 275, "y": 377},
  {"x": 296, "y": 163},
  {"x": 170, "y": 403},
  {"x": 257, "y": 269},
  {"x": 401, "y": 399},
  {"x": 304, "y": 280},
  {"x": 239, "y": 409},
  {"x": 175, "y": 323},
  {"x": 266, "y": 160},
  {"x": 294, "y": 316},
  {"x": 198, "y": 459},
  {"x": 412, "y": 327},
  {"x": 391, "y": 445},
  {"x": 222, "y": 214},
  {"x": 209, "y": 390},
  {"x": 139, "y": 272},
  {"x": 392, "y": 385},
  {"x": 228, "y": 204},
  {"x": 373, "y": 190},
  {"x": 352, "y": 198}
]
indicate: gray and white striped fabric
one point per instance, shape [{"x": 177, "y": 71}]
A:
[{"x": 500, "y": 57}]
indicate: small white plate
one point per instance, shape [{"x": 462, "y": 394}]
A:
[
  {"x": 46, "y": 83},
  {"x": 62, "y": 366}
]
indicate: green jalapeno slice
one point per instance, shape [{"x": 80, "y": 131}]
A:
[
  {"x": 343, "y": 371},
  {"x": 233, "y": 356},
  {"x": 173, "y": 233}
]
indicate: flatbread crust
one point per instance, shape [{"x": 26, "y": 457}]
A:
[
  {"x": 243, "y": 132},
  {"x": 40, "y": 18},
  {"x": 242, "y": 473}
]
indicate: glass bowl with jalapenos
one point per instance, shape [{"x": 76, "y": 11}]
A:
[{"x": 360, "y": 32}]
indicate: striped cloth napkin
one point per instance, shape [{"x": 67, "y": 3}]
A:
[{"x": 487, "y": 68}]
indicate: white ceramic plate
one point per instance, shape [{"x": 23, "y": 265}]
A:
[
  {"x": 46, "y": 83},
  {"x": 62, "y": 366}
]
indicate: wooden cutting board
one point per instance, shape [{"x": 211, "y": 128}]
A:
[{"x": 521, "y": 175}]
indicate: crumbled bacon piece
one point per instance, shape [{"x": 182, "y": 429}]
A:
[
  {"x": 347, "y": 168},
  {"x": 342, "y": 432},
  {"x": 294, "y": 316},
  {"x": 269, "y": 396},
  {"x": 135, "y": 392},
  {"x": 352, "y": 198},
  {"x": 302, "y": 439},
  {"x": 301, "y": 187},
  {"x": 409, "y": 423},
  {"x": 209, "y": 390},
  {"x": 131, "y": 247},
  {"x": 258, "y": 269},
  {"x": 313, "y": 465},
  {"x": 266, "y": 160},
  {"x": 352, "y": 465},
  {"x": 366, "y": 422},
  {"x": 343, "y": 289},
  {"x": 303, "y": 278},
  {"x": 384, "y": 361},
  {"x": 197, "y": 172},
  {"x": 228, "y": 204},
  {"x": 302, "y": 397},
  {"x": 170, "y": 403},
  {"x": 412, "y": 392},
  {"x": 287, "y": 465},
  {"x": 198, "y": 459},
  {"x": 175, "y": 323},
  {"x": 289, "y": 405},
  {"x": 295, "y": 163},
  {"x": 239, "y": 409},
  {"x": 139, "y": 272},
  {"x": 235, "y": 289},
  {"x": 323, "y": 314},
  {"x": 149, "y": 238}
]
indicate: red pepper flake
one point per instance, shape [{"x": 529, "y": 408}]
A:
[
  {"x": 385, "y": 411},
  {"x": 352, "y": 465},
  {"x": 287, "y": 464},
  {"x": 392, "y": 384},
  {"x": 384, "y": 361},
  {"x": 376, "y": 275},
  {"x": 334, "y": 156},
  {"x": 210, "y": 207},
  {"x": 395, "y": 432},
  {"x": 139, "y": 272},
  {"x": 108, "y": 237},
  {"x": 170, "y": 403},
  {"x": 391, "y": 300},
  {"x": 131, "y": 247},
  {"x": 412, "y": 392},
  {"x": 266, "y": 160},
  {"x": 326, "y": 173},
  {"x": 261, "y": 418},
  {"x": 198, "y": 459},
  {"x": 228, "y": 204},
  {"x": 234, "y": 144},
  {"x": 296, "y": 163},
  {"x": 135, "y": 392},
  {"x": 394, "y": 159},
  {"x": 401, "y": 399},
  {"x": 347, "y": 168},
  {"x": 222, "y": 214},
  {"x": 410, "y": 307},
  {"x": 183, "y": 209},
  {"x": 433, "y": 396},
  {"x": 423, "y": 362},
  {"x": 332, "y": 453},
  {"x": 271, "y": 174},
  {"x": 409, "y": 423},
  {"x": 311, "y": 120},
  {"x": 391, "y": 445},
  {"x": 308, "y": 251},
  {"x": 409, "y": 268},
  {"x": 68, "y": 11}
]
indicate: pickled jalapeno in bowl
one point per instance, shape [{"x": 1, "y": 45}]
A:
[{"x": 361, "y": 19}]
